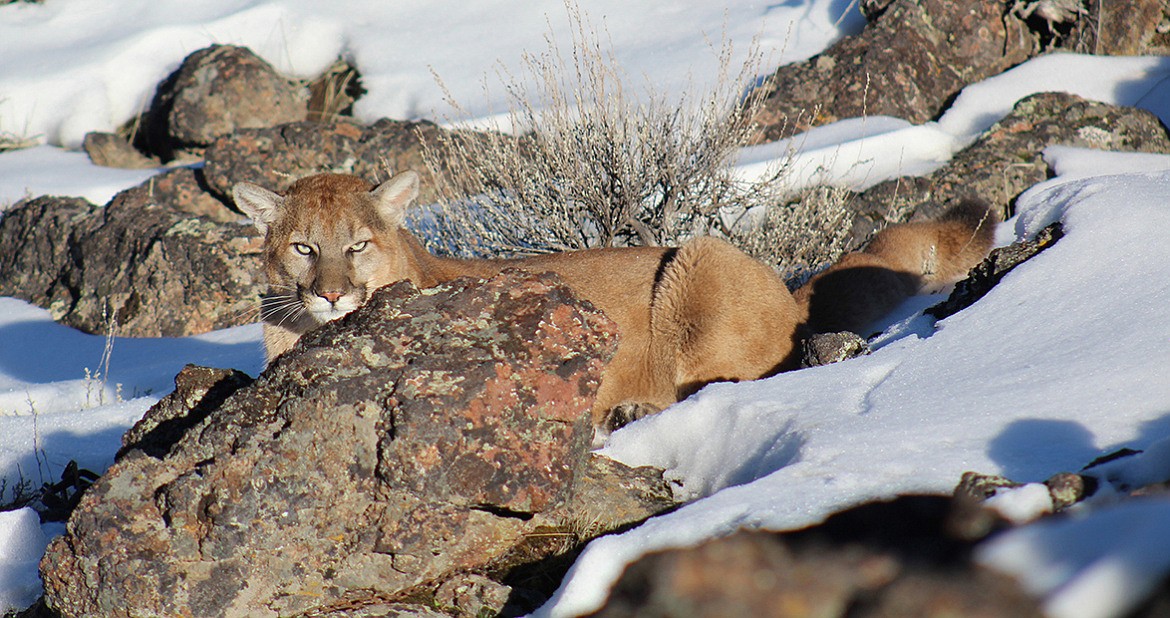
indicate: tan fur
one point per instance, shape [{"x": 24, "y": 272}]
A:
[
  {"x": 689, "y": 316},
  {"x": 899, "y": 262}
]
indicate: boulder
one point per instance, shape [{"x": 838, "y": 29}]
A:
[
  {"x": 914, "y": 56},
  {"x": 882, "y": 559},
  {"x": 158, "y": 261},
  {"x": 276, "y": 157},
  {"x": 391, "y": 458},
  {"x": 908, "y": 62},
  {"x": 217, "y": 91}
]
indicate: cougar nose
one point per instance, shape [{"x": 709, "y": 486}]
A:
[{"x": 332, "y": 297}]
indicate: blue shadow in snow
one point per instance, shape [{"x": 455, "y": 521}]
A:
[
  {"x": 1032, "y": 450},
  {"x": 41, "y": 352}
]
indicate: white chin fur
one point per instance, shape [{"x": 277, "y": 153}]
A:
[{"x": 323, "y": 311}]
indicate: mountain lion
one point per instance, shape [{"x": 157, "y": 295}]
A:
[{"x": 687, "y": 316}]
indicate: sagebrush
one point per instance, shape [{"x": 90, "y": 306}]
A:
[{"x": 589, "y": 161}]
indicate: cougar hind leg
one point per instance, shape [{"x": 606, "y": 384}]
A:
[{"x": 723, "y": 315}]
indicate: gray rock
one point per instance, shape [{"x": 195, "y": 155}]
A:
[
  {"x": 144, "y": 262},
  {"x": 827, "y": 348},
  {"x": 908, "y": 62},
  {"x": 222, "y": 89},
  {"x": 915, "y": 55}
]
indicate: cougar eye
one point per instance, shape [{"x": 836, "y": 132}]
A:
[
  {"x": 359, "y": 246},
  {"x": 302, "y": 248}
]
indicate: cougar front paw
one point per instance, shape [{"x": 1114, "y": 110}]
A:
[{"x": 625, "y": 413}]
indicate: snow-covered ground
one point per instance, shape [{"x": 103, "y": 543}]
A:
[{"x": 1064, "y": 361}]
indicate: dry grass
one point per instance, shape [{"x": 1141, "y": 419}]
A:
[
  {"x": 332, "y": 94},
  {"x": 12, "y": 141},
  {"x": 590, "y": 161}
]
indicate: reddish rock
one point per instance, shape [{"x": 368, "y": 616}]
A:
[
  {"x": 278, "y": 156},
  {"x": 425, "y": 436}
]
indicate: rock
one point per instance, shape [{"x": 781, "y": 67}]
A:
[
  {"x": 1138, "y": 27},
  {"x": 111, "y": 150},
  {"x": 35, "y": 240},
  {"x": 1007, "y": 159},
  {"x": 198, "y": 391},
  {"x": 141, "y": 265},
  {"x": 1067, "y": 489},
  {"x": 880, "y": 559},
  {"x": 278, "y": 156},
  {"x": 993, "y": 269},
  {"x": 915, "y": 55},
  {"x": 827, "y": 348},
  {"x": 425, "y": 436},
  {"x": 908, "y": 62},
  {"x": 217, "y": 91},
  {"x": 472, "y": 595}
]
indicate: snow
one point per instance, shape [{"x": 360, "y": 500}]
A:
[
  {"x": 24, "y": 542},
  {"x": 1062, "y": 362},
  {"x": 49, "y": 170},
  {"x": 71, "y": 66},
  {"x": 1020, "y": 505}
]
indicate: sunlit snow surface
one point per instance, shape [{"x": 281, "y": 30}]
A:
[{"x": 1063, "y": 361}]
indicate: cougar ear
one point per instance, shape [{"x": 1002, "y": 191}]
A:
[
  {"x": 395, "y": 195},
  {"x": 258, "y": 203}
]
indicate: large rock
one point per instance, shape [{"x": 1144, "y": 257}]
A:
[
  {"x": 217, "y": 91},
  {"x": 908, "y": 63},
  {"x": 425, "y": 437},
  {"x": 157, "y": 261},
  {"x": 915, "y": 55},
  {"x": 884, "y": 559},
  {"x": 277, "y": 156}
]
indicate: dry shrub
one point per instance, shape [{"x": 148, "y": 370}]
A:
[{"x": 587, "y": 162}]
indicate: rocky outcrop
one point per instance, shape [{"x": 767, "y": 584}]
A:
[
  {"x": 1008, "y": 158},
  {"x": 883, "y": 559},
  {"x": 915, "y": 55},
  {"x": 275, "y": 157},
  {"x": 426, "y": 449},
  {"x": 217, "y": 91},
  {"x": 156, "y": 261}
]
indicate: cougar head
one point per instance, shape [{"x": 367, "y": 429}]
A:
[{"x": 329, "y": 242}]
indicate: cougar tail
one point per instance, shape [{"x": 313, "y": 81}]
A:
[{"x": 900, "y": 261}]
